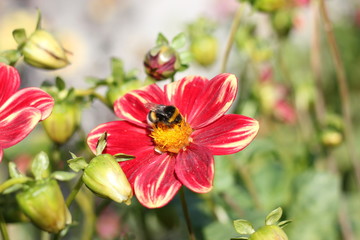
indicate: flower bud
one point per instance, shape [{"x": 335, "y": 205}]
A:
[
  {"x": 331, "y": 138},
  {"x": 105, "y": 177},
  {"x": 162, "y": 62},
  {"x": 62, "y": 122},
  {"x": 42, "y": 50},
  {"x": 204, "y": 50},
  {"x": 282, "y": 21},
  {"x": 269, "y": 232},
  {"x": 44, "y": 205},
  {"x": 269, "y": 5}
]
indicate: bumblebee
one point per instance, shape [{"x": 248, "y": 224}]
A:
[{"x": 165, "y": 114}]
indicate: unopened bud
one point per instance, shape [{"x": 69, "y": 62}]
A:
[
  {"x": 44, "y": 205},
  {"x": 162, "y": 62},
  {"x": 331, "y": 138},
  {"x": 42, "y": 50},
  {"x": 62, "y": 122},
  {"x": 204, "y": 50},
  {"x": 269, "y": 232},
  {"x": 105, "y": 177}
]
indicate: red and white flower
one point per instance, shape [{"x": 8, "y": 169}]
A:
[
  {"x": 187, "y": 149},
  {"x": 20, "y": 110}
]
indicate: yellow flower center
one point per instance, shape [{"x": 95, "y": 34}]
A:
[{"x": 171, "y": 138}]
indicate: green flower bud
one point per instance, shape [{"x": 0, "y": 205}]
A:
[
  {"x": 42, "y": 50},
  {"x": 204, "y": 50},
  {"x": 44, "y": 205},
  {"x": 62, "y": 122},
  {"x": 269, "y": 5},
  {"x": 105, "y": 177},
  {"x": 331, "y": 138},
  {"x": 162, "y": 62},
  {"x": 282, "y": 22},
  {"x": 269, "y": 232}
]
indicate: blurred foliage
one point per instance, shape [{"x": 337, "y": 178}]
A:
[{"x": 287, "y": 165}]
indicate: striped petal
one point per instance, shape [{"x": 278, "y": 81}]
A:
[
  {"x": 216, "y": 98},
  {"x": 28, "y": 97},
  {"x": 131, "y": 106},
  {"x": 123, "y": 137},
  {"x": 185, "y": 93},
  {"x": 1, "y": 153},
  {"x": 9, "y": 82},
  {"x": 155, "y": 184},
  {"x": 17, "y": 126},
  {"x": 230, "y": 134},
  {"x": 195, "y": 168}
]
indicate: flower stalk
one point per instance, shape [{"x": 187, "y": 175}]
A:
[
  {"x": 186, "y": 214},
  {"x": 3, "y": 229},
  {"x": 343, "y": 89},
  {"x": 234, "y": 27}
]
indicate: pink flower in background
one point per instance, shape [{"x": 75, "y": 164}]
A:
[
  {"x": 171, "y": 155},
  {"x": 20, "y": 110},
  {"x": 302, "y": 2}
]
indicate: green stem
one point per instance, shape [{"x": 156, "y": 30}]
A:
[
  {"x": 234, "y": 28},
  {"x": 92, "y": 92},
  {"x": 343, "y": 89},
  {"x": 186, "y": 214},
  {"x": 3, "y": 229},
  {"x": 74, "y": 192}
]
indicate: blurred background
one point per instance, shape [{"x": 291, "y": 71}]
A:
[{"x": 304, "y": 159}]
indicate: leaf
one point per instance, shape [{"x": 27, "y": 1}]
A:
[
  {"x": 273, "y": 217},
  {"x": 38, "y": 22},
  {"x": 101, "y": 144},
  {"x": 117, "y": 69},
  {"x": 77, "y": 164},
  {"x": 243, "y": 227},
  {"x": 178, "y": 41},
  {"x": 60, "y": 84},
  {"x": 13, "y": 171},
  {"x": 40, "y": 165},
  {"x": 12, "y": 189},
  {"x": 161, "y": 40},
  {"x": 10, "y": 56},
  {"x": 186, "y": 57},
  {"x": 19, "y": 36},
  {"x": 120, "y": 157},
  {"x": 283, "y": 224},
  {"x": 62, "y": 176}
]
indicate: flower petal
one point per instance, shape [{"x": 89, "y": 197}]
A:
[
  {"x": 185, "y": 93},
  {"x": 17, "y": 126},
  {"x": 131, "y": 106},
  {"x": 195, "y": 168},
  {"x": 123, "y": 137},
  {"x": 155, "y": 184},
  {"x": 28, "y": 97},
  {"x": 9, "y": 82},
  {"x": 229, "y": 134},
  {"x": 215, "y": 99},
  {"x": 1, "y": 153}
]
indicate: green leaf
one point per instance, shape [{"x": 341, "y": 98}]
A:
[
  {"x": 273, "y": 217},
  {"x": 178, "y": 41},
  {"x": 186, "y": 57},
  {"x": 40, "y": 165},
  {"x": 13, "y": 171},
  {"x": 13, "y": 188},
  {"x": 283, "y": 224},
  {"x": 10, "y": 56},
  {"x": 243, "y": 227},
  {"x": 117, "y": 69},
  {"x": 62, "y": 176},
  {"x": 101, "y": 144},
  {"x": 38, "y": 22},
  {"x": 60, "y": 84},
  {"x": 77, "y": 163},
  {"x": 19, "y": 36},
  {"x": 161, "y": 40},
  {"x": 120, "y": 157}
]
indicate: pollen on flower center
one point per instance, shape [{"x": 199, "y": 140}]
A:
[{"x": 171, "y": 138}]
